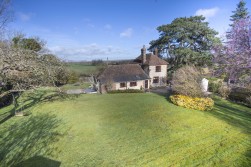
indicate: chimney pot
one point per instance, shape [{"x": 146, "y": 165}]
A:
[
  {"x": 143, "y": 54},
  {"x": 155, "y": 52}
]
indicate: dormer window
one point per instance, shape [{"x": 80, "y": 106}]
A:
[{"x": 158, "y": 69}]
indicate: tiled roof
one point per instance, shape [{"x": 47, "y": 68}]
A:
[
  {"x": 123, "y": 73},
  {"x": 151, "y": 60}
]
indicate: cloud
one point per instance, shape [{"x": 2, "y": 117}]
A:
[
  {"x": 208, "y": 13},
  {"x": 108, "y": 27},
  {"x": 25, "y": 16},
  {"x": 90, "y": 25},
  {"x": 127, "y": 33},
  {"x": 86, "y": 52}
]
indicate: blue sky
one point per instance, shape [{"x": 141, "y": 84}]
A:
[{"x": 117, "y": 29}]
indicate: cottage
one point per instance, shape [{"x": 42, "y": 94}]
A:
[
  {"x": 147, "y": 70},
  {"x": 124, "y": 76},
  {"x": 154, "y": 66}
]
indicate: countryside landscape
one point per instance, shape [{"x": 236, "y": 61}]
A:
[{"x": 178, "y": 95}]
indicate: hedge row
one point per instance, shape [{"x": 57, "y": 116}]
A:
[
  {"x": 196, "y": 103},
  {"x": 126, "y": 91},
  {"x": 240, "y": 94}
]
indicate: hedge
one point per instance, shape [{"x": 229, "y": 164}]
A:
[
  {"x": 240, "y": 94},
  {"x": 126, "y": 91}
]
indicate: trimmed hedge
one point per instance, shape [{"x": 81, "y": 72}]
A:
[
  {"x": 196, "y": 103},
  {"x": 126, "y": 91}
]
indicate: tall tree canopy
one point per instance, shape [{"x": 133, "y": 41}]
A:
[
  {"x": 241, "y": 12},
  {"x": 186, "y": 41}
]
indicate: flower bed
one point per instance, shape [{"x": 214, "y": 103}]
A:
[{"x": 196, "y": 103}]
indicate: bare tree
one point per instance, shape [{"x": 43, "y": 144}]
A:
[
  {"x": 22, "y": 69},
  {"x": 5, "y": 14}
]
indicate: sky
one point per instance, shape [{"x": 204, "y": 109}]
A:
[{"x": 84, "y": 30}]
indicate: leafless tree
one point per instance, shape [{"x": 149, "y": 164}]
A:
[
  {"x": 22, "y": 69},
  {"x": 5, "y": 14}
]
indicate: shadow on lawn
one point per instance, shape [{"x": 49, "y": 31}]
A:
[
  {"x": 27, "y": 138},
  {"x": 30, "y": 99},
  {"x": 38, "y": 161},
  {"x": 237, "y": 116}
]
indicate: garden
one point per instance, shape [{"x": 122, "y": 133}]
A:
[{"x": 139, "y": 129}]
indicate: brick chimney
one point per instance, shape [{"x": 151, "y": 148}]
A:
[
  {"x": 143, "y": 54},
  {"x": 155, "y": 52}
]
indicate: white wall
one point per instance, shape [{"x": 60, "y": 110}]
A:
[
  {"x": 139, "y": 85},
  {"x": 161, "y": 75}
]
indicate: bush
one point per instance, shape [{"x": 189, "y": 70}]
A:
[
  {"x": 240, "y": 94},
  {"x": 248, "y": 101},
  {"x": 72, "y": 77},
  {"x": 126, "y": 91},
  {"x": 196, "y": 103},
  {"x": 214, "y": 87},
  {"x": 214, "y": 84},
  {"x": 187, "y": 81},
  {"x": 224, "y": 91}
]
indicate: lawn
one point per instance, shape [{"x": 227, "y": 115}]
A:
[
  {"x": 75, "y": 86},
  {"x": 124, "y": 130}
]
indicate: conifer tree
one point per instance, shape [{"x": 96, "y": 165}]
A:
[{"x": 241, "y": 12}]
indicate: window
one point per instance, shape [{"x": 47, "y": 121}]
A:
[
  {"x": 158, "y": 69},
  {"x": 133, "y": 84},
  {"x": 122, "y": 84},
  {"x": 155, "y": 79}
]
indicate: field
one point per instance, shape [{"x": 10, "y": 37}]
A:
[
  {"x": 81, "y": 68},
  {"x": 123, "y": 130}
]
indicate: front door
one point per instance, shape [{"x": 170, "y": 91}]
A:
[{"x": 146, "y": 84}]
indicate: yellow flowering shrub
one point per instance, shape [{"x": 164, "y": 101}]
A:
[{"x": 196, "y": 103}]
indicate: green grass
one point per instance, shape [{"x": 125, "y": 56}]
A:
[
  {"x": 81, "y": 68},
  {"x": 124, "y": 130},
  {"x": 75, "y": 86}
]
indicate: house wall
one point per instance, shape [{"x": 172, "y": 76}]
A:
[
  {"x": 116, "y": 86},
  {"x": 140, "y": 84},
  {"x": 161, "y": 75},
  {"x": 103, "y": 87}
]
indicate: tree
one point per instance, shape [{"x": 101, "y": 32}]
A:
[
  {"x": 56, "y": 69},
  {"x": 5, "y": 13},
  {"x": 186, "y": 41},
  {"x": 33, "y": 43},
  {"x": 234, "y": 58},
  {"x": 187, "y": 81},
  {"x": 22, "y": 69},
  {"x": 241, "y": 12}
]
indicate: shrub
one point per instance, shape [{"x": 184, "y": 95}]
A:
[
  {"x": 187, "y": 81},
  {"x": 248, "y": 101},
  {"x": 196, "y": 103},
  {"x": 72, "y": 77},
  {"x": 240, "y": 94},
  {"x": 224, "y": 91},
  {"x": 126, "y": 91},
  {"x": 214, "y": 84},
  {"x": 214, "y": 87}
]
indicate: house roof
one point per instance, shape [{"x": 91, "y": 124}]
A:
[
  {"x": 123, "y": 73},
  {"x": 151, "y": 60}
]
